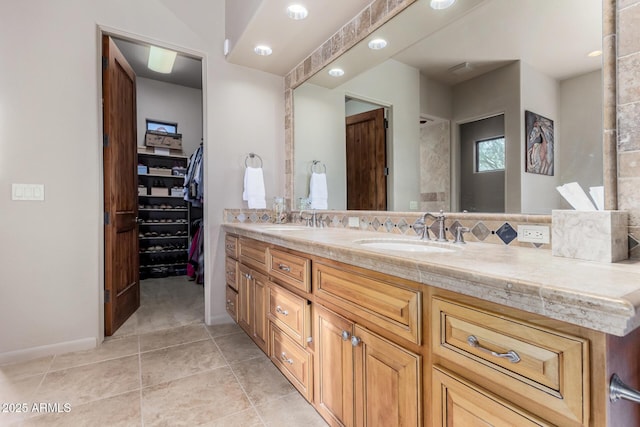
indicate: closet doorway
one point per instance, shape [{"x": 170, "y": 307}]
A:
[{"x": 153, "y": 235}]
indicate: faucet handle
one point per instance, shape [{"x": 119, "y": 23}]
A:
[{"x": 460, "y": 235}]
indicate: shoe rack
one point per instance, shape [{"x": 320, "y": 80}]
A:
[{"x": 164, "y": 215}]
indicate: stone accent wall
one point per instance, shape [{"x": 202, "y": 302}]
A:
[{"x": 628, "y": 115}]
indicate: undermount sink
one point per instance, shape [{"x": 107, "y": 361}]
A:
[{"x": 405, "y": 245}]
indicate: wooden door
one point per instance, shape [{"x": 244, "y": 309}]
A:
[
  {"x": 458, "y": 403},
  {"x": 333, "y": 367},
  {"x": 366, "y": 161},
  {"x": 388, "y": 385},
  {"x": 244, "y": 299},
  {"x": 260, "y": 328},
  {"x": 121, "y": 262}
]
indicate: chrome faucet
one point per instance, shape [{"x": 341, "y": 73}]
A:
[{"x": 441, "y": 231}]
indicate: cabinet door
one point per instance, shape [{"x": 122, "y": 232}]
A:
[
  {"x": 388, "y": 382},
  {"x": 232, "y": 303},
  {"x": 458, "y": 403},
  {"x": 260, "y": 324},
  {"x": 244, "y": 299},
  {"x": 333, "y": 367}
]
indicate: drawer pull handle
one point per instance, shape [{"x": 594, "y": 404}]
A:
[
  {"x": 355, "y": 341},
  {"x": 345, "y": 336},
  {"x": 281, "y": 311},
  {"x": 510, "y": 355},
  {"x": 229, "y": 246},
  {"x": 284, "y": 358},
  {"x": 284, "y": 267}
]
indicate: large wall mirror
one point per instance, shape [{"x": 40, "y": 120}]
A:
[{"x": 453, "y": 87}]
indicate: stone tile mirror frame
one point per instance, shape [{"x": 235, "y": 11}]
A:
[{"x": 621, "y": 97}]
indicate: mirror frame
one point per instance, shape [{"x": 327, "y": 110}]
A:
[{"x": 378, "y": 12}]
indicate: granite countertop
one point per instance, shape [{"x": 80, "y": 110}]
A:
[{"x": 600, "y": 296}]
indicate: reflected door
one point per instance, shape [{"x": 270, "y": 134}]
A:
[{"x": 366, "y": 161}]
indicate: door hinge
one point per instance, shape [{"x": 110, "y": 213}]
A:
[
  {"x": 107, "y": 296},
  {"x": 386, "y": 123},
  {"x": 105, "y": 140},
  {"x": 105, "y": 62},
  {"x": 107, "y": 218},
  {"x": 386, "y": 171}
]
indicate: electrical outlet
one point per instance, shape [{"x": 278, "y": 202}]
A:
[
  {"x": 354, "y": 221},
  {"x": 533, "y": 233}
]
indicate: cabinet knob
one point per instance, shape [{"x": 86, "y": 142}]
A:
[
  {"x": 284, "y": 358},
  {"x": 281, "y": 311},
  {"x": 345, "y": 335},
  {"x": 355, "y": 341}
]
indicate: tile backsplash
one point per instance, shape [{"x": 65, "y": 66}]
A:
[{"x": 486, "y": 228}]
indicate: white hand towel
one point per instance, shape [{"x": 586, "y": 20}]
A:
[
  {"x": 318, "y": 194},
  {"x": 254, "y": 192}
]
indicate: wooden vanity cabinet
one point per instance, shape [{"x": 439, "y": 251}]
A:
[
  {"x": 365, "y": 378},
  {"x": 252, "y": 291},
  {"x": 231, "y": 266}
]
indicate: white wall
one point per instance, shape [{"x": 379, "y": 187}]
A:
[
  {"x": 50, "y": 133},
  {"x": 390, "y": 83},
  {"x": 170, "y": 103},
  {"x": 580, "y": 117},
  {"x": 540, "y": 95}
]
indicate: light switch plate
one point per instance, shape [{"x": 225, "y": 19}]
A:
[
  {"x": 413, "y": 205},
  {"x": 27, "y": 192}
]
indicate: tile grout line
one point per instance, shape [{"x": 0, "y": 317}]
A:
[
  {"x": 237, "y": 379},
  {"x": 140, "y": 382}
]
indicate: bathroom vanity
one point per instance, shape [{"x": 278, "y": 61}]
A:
[{"x": 387, "y": 334}]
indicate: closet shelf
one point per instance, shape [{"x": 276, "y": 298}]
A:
[
  {"x": 165, "y": 237},
  {"x": 142, "y": 175},
  {"x": 166, "y": 251},
  {"x": 149, "y": 196},
  {"x": 163, "y": 210},
  {"x": 164, "y": 265},
  {"x": 163, "y": 223}
]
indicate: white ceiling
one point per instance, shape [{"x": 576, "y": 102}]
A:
[
  {"x": 187, "y": 71},
  {"x": 553, "y": 36},
  {"x": 291, "y": 41}
]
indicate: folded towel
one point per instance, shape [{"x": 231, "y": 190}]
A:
[
  {"x": 318, "y": 193},
  {"x": 254, "y": 192}
]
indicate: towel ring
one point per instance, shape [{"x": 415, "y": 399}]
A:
[
  {"x": 252, "y": 156},
  {"x": 318, "y": 163}
]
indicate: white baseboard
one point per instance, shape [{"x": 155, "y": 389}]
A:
[
  {"x": 220, "y": 319},
  {"x": 47, "y": 350}
]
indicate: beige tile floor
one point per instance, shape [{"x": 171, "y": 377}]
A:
[{"x": 165, "y": 367}]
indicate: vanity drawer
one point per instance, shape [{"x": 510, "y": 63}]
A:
[
  {"x": 381, "y": 300},
  {"x": 292, "y": 360},
  {"x": 232, "y": 303},
  {"x": 291, "y": 313},
  {"x": 231, "y": 272},
  {"x": 540, "y": 366},
  {"x": 231, "y": 245},
  {"x": 291, "y": 269},
  {"x": 253, "y": 253}
]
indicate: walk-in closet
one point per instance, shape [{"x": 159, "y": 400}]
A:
[{"x": 170, "y": 189}]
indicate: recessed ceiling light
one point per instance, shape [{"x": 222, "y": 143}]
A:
[
  {"x": 441, "y": 4},
  {"x": 377, "y": 44},
  {"x": 161, "y": 60},
  {"x": 462, "y": 68},
  {"x": 297, "y": 12},
  {"x": 263, "y": 50},
  {"x": 595, "y": 53},
  {"x": 336, "y": 72}
]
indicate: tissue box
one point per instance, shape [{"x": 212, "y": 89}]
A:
[{"x": 590, "y": 235}]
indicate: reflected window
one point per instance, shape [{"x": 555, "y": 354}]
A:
[
  {"x": 490, "y": 155},
  {"x": 162, "y": 126}
]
